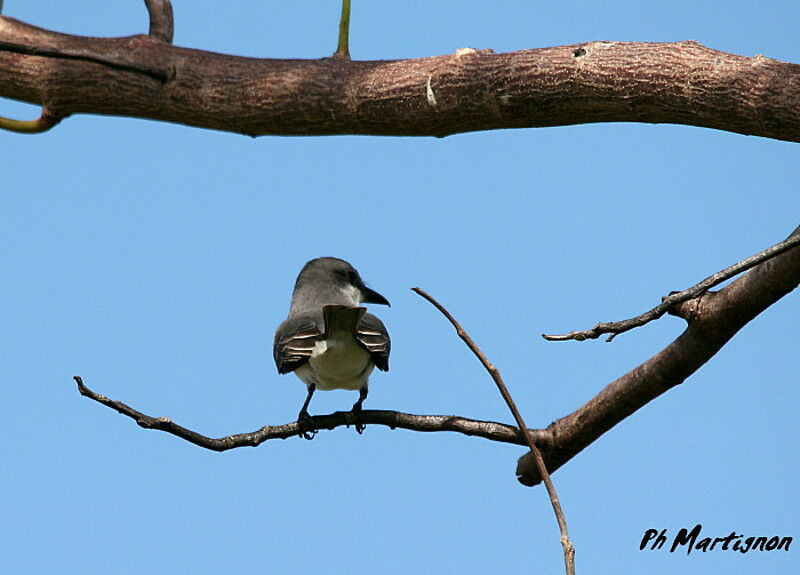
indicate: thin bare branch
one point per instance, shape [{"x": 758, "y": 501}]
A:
[
  {"x": 569, "y": 549},
  {"x": 41, "y": 124},
  {"x": 343, "y": 48},
  {"x": 393, "y": 419},
  {"x": 162, "y": 23},
  {"x": 675, "y": 298}
]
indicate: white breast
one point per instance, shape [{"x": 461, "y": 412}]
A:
[{"x": 337, "y": 364}]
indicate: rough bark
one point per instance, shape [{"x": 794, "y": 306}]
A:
[{"x": 146, "y": 77}]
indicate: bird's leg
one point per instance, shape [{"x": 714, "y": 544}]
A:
[
  {"x": 343, "y": 48},
  {"x": 362, "y": 395},
  {"x": 304, "y": 419}
]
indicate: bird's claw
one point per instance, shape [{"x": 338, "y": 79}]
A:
[
  {"x": 306, "y": 422},
  {"x": 356, "y": 411}
]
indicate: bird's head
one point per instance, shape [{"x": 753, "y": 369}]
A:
[{"x": 339, "y": 280}]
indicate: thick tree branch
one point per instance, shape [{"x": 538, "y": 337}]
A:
[
  {"x": 471, "y": 90},
  {"x": 671, "y": 301},
  {"x": 713, "y": 319}
]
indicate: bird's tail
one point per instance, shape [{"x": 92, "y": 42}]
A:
[{"x": 341, "y": 318}]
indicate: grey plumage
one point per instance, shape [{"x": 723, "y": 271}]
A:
[{"x": 329, "y": 341}]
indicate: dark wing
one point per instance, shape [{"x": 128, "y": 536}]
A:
[
  {"x": 294, "y": 341},
  {"x": 373, "y": 336}
]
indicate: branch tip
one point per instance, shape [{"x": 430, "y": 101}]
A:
[{"x": 42, "y": 124}]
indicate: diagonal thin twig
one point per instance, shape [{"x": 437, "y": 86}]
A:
[
  {"x": 617, "y": 327},
  {"x": 569, "y": 549}
]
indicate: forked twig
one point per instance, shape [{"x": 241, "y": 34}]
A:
[
  {"x": 569, "y": 549},
  {"x": 617, "y": 327}
]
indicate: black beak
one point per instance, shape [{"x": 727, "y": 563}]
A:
[{"x": 371, "y": 296}]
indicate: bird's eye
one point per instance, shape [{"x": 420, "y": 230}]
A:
[{"x": 348, "y": 276}]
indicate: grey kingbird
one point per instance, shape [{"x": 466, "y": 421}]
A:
[{"x": 328, "y": 340}]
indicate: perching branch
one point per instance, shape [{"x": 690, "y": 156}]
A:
[
  {"x": 469, "y": 90},
  {"x": 393, "y": 419},
  {"x": 569, "y": 549},
  {"x": 675, "y": 298}
]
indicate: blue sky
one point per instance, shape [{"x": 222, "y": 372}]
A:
[{"x": 155, "y": 260}]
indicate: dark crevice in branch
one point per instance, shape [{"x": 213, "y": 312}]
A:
[{"x": 119, "y": 60}]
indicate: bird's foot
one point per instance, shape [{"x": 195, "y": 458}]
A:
[
  {"x": 356, "y": 411},
  {"x": 306, "y": 422}
]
